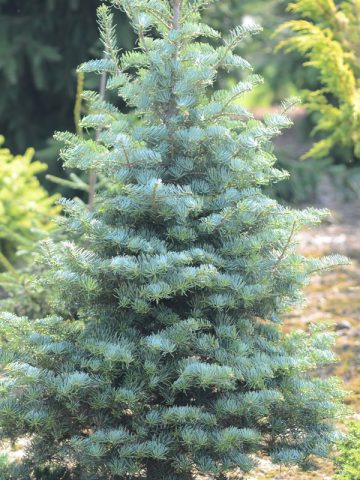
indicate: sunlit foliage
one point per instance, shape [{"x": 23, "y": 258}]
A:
[
  {"x": 26, "y": 209},
  {"x": 327, "y": 34}
]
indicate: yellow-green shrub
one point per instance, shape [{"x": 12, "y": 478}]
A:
[
  {"x": 348, "y": 460},
  {"x": 26, "y": 209},
  {"x": 328, "y": 35}
]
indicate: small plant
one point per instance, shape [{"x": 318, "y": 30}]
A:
[
  {"x": 348, "y": 460},
  {"x": 327, "y": 34},
  {"x": 170, "y": 361}
]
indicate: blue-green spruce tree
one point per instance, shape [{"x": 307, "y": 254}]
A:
[{"x": 170, "y": 361}]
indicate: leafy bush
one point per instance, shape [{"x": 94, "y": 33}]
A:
[
  {"x": 26, "y": 216},
  {"x": 26, "y": 210},
  {"x": 171, "y": 361},
  {"x": 327, "y": 33},
  {"x": 348, "y": 460}
]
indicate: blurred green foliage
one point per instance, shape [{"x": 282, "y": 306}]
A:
[
  {"x": 301, "y": 185},
  {"x": 327, "y": 34},
  {"x": 348, "y": 460},
  {"x": 22, "y": 293},
  {"x": 259, "y": 52},
  {"x": 26, "y": 217},
  {"x": 26, "y": 210}
]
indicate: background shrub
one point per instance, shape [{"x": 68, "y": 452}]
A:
[
  {"x": 327, "y": 34},
  {"x": 348, "y": 460},
  {"x": 26, "y": 209},
  {"x": 27, "y": 216}
]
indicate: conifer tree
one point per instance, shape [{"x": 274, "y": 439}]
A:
[{"x": 171, "y": 361}]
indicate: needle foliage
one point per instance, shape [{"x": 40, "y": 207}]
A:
[{"x": 171, "y": 361}]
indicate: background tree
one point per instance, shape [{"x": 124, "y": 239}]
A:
[{"x": 171, "y": 361}]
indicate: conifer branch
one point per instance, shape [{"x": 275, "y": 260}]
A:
[
  {"x": 286, "y": 246},
  {"x": 158, "y": 17},
  {"x": 142, "y": 39},
  {"x": 108, "y": 34},
  {"x": 237, "y": 93},
  {"x": 131, "y": 10},
  {"x": 153, "y": 195},
  {"x": 176, "y": 12},
  {"x": 77, "y": 106},
  {"x": 93, "y": 174},
  {"x": 236, "y": 36},
  {"x": 176, "y": 6},
  {"x": 126, "y": 155}
]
